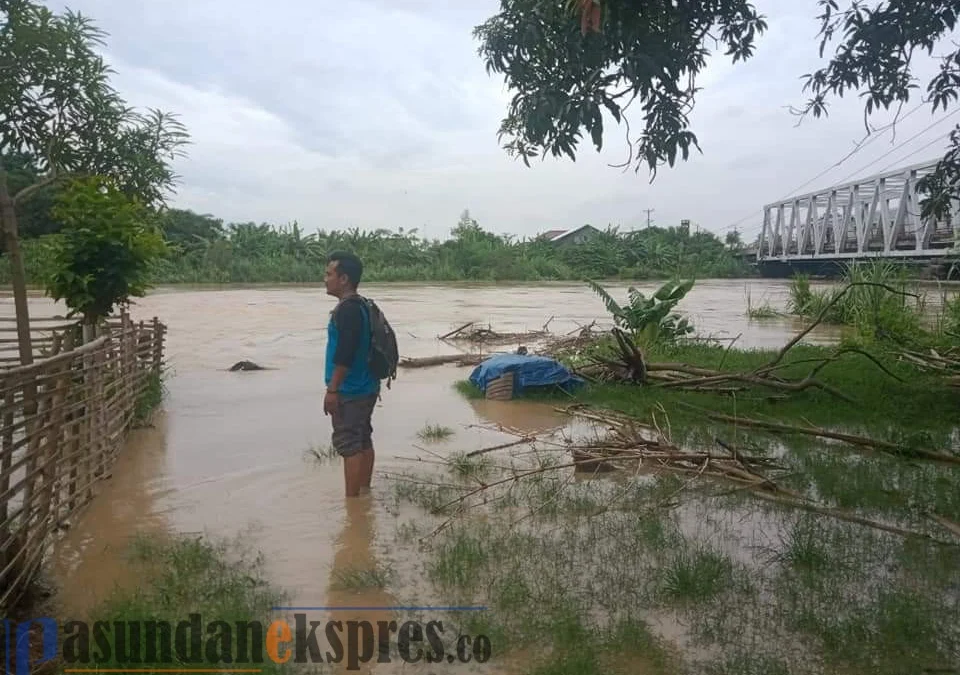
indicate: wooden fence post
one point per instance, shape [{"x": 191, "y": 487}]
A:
[
  {"x": 6, "y": 462},
  {"x": 157, "y": 346}
]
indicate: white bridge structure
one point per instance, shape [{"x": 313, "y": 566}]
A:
[{"x": 872, "y": 217}]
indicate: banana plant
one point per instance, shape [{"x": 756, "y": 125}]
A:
[{"x": 649, "y": 319}]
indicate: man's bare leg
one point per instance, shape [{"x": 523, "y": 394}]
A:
[
  {"x": 354, "y": 467},
  {"x": 368, "y": 457}
]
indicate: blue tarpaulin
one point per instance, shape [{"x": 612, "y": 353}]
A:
[{"x": 528, "y": 371}]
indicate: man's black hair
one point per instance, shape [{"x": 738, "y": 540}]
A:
[{"x": 349, "y": 264}]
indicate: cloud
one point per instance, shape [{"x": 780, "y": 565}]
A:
[{"x": 379, "y": 113}]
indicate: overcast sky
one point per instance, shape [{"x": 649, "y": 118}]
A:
[{"x": 379, "y": 113}]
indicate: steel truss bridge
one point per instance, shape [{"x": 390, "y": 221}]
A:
[{"x": 874, "y": 217}]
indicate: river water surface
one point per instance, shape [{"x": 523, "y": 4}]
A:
[{"x": 228, "y": 452}]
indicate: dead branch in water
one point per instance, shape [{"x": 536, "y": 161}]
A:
[
  {"x": 455, "y": 331},
  {"x": 851, "y": 439},
  {"x": 489, "y": 336},
  {"x": 841, "y": 514},
  {"x": 428, "y": 361},
  {"x": 948, "y": 524},
  {"x": 502, "y": 446}
]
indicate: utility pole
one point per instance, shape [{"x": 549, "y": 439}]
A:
[{"x": 648, "y": 212}]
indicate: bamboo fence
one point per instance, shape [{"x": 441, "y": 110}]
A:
[{"x": 63, "y": 421}]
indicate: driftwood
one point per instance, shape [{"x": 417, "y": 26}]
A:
[
  {"x": 429, "y": 361},
  {"x": 489, "y": 336},
  {"x": 455, "y": 331},
  {"x": 851, "y": 439}
]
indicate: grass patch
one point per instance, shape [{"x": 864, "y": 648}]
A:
[
  {"x": 468, "y": 389},
  {"x": 698, "y": 575},
  {"x": 464, "y": 467},
  {"x": 184, "y": 575},
  {"x": 763, "y": 588},
  {"x": 761, "y": 311},
  {"x": 877, "y": 314},
  {"x": 434, "y": 433},
  {"x": 918, "y": 405},
  {"x": 360, "y": 579},
  {"x": 149, "y": 399},
  {"x": 323, "y": 454}
]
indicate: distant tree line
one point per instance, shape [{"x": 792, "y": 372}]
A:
[{"x": 203, "y": 249}]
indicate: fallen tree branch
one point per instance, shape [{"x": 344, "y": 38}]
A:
[
  {"x": 851, "y": 518},
  {"x": 429, "y": 361},
  {"x": 948, "y": 524},
  {"x": 502, "y": 446},
  {"x": 860, "y": 441},
  {"x": 456, "y": 331}
]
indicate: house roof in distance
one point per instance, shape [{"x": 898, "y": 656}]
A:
[
  {"x": 551, "y": 235},
  {"x": 557, "y": 235}
]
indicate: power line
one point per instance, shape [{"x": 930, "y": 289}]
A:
[
  {"x": 890, "y": 152},
  {"x": 916, "y": 152},
  {"x": 867, "y": 166},
  {"x": 860, "y": 146}
]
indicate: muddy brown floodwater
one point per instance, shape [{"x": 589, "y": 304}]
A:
[{"x": 228, "y": 452}]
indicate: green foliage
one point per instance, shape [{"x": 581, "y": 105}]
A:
[
  {"x": 650, "y": 320},
  {"x": 206, "y": 250},
  {"x": 565, "y": 79},
  {"x": 33, "y": 215},
  {"x": 876, "y": 313},
  {"x": 61, "y": 115},
  {"x": 105, "y": 250}
]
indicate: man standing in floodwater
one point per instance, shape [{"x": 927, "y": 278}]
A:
[{"x": 352, "y": 390}]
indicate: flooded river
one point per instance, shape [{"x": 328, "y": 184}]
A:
[{"x": 228, "y": 453}]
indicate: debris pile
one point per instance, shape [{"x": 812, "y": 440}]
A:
[
  {"x": 631, "y": 445},
  {"x": 470, "y": 332}
]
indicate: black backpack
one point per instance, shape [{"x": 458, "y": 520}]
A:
[{"x": 383, "y": 356}]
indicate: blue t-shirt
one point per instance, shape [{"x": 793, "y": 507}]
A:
[{"x": 348, "y": 343}]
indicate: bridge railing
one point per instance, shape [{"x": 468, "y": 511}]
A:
[
  {"x": 874, "y": 216},
  {"x": 63, "y": 421}
]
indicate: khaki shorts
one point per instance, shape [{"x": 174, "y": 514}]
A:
[{"x": 352, "y": 425}]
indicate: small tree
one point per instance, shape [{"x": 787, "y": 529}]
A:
[
  {"x": 103, "y": 255},
  {"x": 58, "y": 109},
  {"x": 733, "y": 240}
]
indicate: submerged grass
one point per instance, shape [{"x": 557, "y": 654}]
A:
[
  {"x": 149, "y": 399},
  {"x": 361, "y": 578},
  {"x": 435, "y": 432},
  {"x": 759, "y": 587},
  {"x": 216, "y": 579}
]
